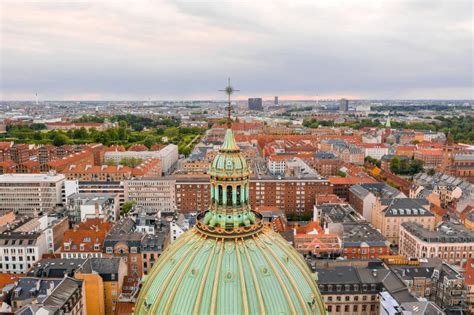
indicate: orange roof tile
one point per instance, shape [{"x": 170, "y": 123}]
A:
[
  {"x": 469, "y": 274},
  {"x": 310, "y": 227},
  {"x": 8, "y": 278},
  {"x": 350, "y": 180}
]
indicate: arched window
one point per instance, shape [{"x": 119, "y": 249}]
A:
[
  {"x": 220, "y": 194},
  {"x": 238, "y": 195},
  {"x": 229, "y": 195}
]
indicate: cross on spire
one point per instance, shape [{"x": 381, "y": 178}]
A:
[{"x": 229, "y": 90}]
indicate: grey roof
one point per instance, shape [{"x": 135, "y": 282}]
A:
[
  {"x": 56, "y": 267},
  {"x": 154, "y": 243},
  {"x": 104, "y": 266},
  {"x": 19, "y": 238},
  {"x": 62, "y": 293},
  {"x": 362, "y": 234},
  {"x": 92, "y": 198},
  {"x": 338, "y": 275},
  {"x": 406, "y": 207},
  {"x": 421, "y": 308},
  {"x": 384, "y": 279},
  {"x": 463, "y": 157},
  {"x": 446, "y": 232},
  {"x": 324, "y": 155},
  {"x": 29, "y": 287},
  {"x": 381, "y": 190},
  {"x": 339, "y": 213}
]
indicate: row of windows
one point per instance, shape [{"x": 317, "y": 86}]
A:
[{"x": 355, "y": 308}]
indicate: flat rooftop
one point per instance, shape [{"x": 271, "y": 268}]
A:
[{"x": 30, "y": 178}]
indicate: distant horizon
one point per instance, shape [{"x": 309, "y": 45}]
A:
[{"x": 280, "y": 99}]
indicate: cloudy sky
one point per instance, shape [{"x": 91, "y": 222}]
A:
[{"x": 116, "y": 49}]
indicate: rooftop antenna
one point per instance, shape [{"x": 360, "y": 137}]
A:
[{"x": 229, "y": 90}]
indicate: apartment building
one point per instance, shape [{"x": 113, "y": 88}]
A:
[
  {"x": 30, "y": 194},
  {"x": 20, "y": 250},
  {"x": 83, "y": 206},
  {"x": 451, "y": 242},
  {"x": 364, "y": 196},
  {"x": 85, "y": 239},
  {"x": 355, "y": 289},
  {"x": 389, "y": 214},
  {"x": 431, "y": 158},
  {"x": 436, "y": 281},
  {"x": 155, "y": 194}
]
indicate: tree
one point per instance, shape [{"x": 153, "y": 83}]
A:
[
  {"x": 37, "y": 136},
  {"x": 341, "y": 173},
  {"x": 416, "y": 166},
  {"x": 110, "y": 162},
  {"x": 431, "y": 172},
  {"x": 149, "y": 141},
  {"x": 131, "y": 161},
  {"x": 171, "y": 132},
  {"x": 127, "y": 206},
  {"x": 60, "y": 139},
  {"x": 395, "y": 165}
]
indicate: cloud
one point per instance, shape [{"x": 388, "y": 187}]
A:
[{"x": 185, "y": 49}]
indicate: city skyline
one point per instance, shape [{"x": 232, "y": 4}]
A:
[{"x": 177, "y": 50}]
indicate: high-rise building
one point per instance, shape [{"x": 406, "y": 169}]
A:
[
  {"x": 276, "y": 101},
  {"x": 343, "y": 105},
  {"x": 255, "y": 104},
  {"x": 230, "y": 262}
]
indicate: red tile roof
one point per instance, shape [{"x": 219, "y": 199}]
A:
[
  {"x": 335, "y": 180},
  {"x": 90, "y": 233}
]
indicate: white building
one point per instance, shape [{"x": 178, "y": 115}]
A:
[
  {"x": 276, "y": 165},
  {"x": 83, "y": 206},
  {"x": 178, "y": 227},
  {"x": 30, "y": 194},
  {"x": 363, "y": 108},
  {"x": 20, "y": 250},
  {"x": 154, "y": 194},
  {"x": 168, "y": 156},
  {"x": 374, "y": 150},
  {"x": 374, "y": 139}
]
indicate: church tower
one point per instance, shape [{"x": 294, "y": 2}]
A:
[{"x": 230, "y": 262}]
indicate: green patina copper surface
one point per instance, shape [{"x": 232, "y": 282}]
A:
[{"x": 230, "y": 263}]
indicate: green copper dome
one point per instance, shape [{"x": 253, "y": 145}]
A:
[
  {"x": 230, "y": 262},
  {"x": 229, "y": 160}
]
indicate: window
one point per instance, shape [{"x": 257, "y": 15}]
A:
[
  {"x": 133, "y": 250},
  {"x": 108, "y": 250}
]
